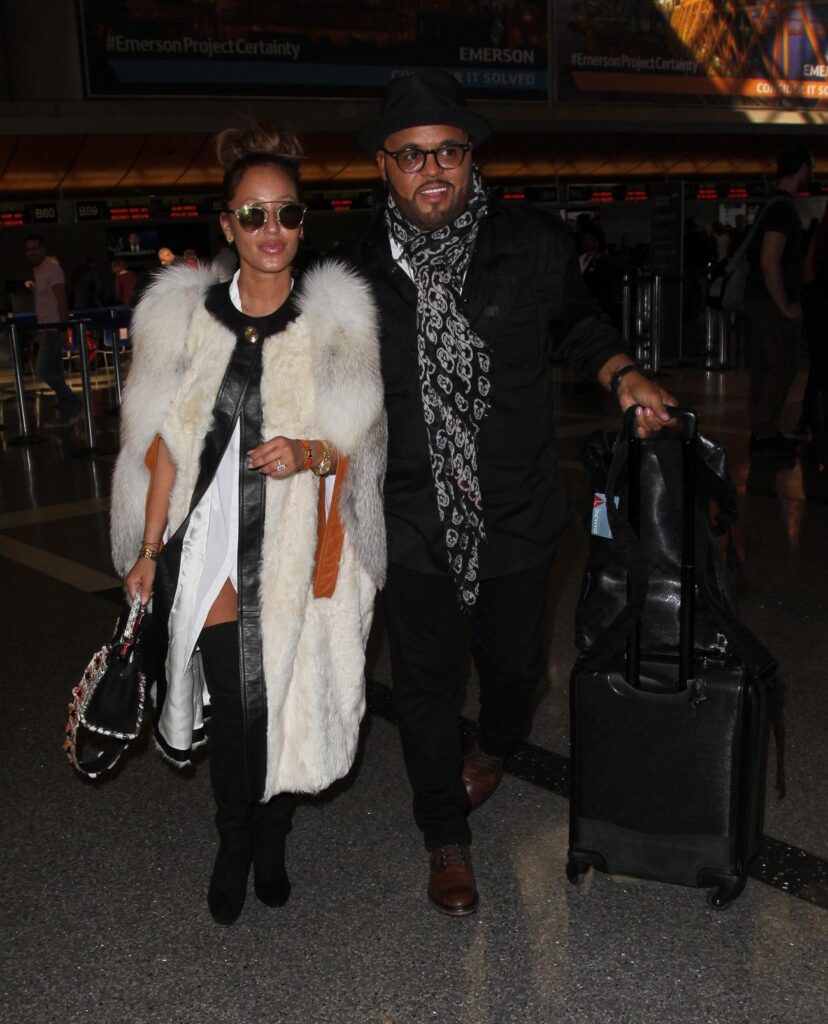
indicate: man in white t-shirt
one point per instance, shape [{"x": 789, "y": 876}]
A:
[{"x": 51, "y": 307}]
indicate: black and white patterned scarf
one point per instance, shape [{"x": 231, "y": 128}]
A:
[{"x": 454, "y": 382}]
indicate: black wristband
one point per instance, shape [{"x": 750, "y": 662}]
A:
[{"x": 617, "y": 374}]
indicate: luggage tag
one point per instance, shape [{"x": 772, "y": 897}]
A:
[{"x": 600, "y": 526}]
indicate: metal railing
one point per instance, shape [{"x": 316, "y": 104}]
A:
[
  {"x": 641, "y": 298},
  {"x": 641, "y": 307},
  {"x": 109, "y": 321}
]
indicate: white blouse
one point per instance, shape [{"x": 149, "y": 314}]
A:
[{"x": 209, "y": 553}]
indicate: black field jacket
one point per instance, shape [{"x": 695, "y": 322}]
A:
[{"x": 525, "y": 298}]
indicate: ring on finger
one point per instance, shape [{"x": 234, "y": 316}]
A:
[{"x": 280, "y": 466}]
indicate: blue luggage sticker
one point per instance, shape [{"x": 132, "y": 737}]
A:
[{"x": 600, "y": 520}]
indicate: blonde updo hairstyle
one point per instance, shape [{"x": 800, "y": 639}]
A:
[{"x": 256, "y": 145}]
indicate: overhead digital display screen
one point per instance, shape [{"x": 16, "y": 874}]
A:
[
  {"x": 316, "y": 47},
  {"x": 636, "y": 193}
]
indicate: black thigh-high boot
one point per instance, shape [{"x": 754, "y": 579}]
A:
[
  {"x": 234, "y": 813},
  {"x": 271, "y": 823}
]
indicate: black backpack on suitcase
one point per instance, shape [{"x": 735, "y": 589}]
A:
[{"x": 667, "y": 738}]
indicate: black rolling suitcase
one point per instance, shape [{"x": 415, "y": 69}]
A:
[{"x": 667, "y": 745}]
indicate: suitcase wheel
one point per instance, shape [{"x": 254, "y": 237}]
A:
[
  {"x": 722, "y": 897},
  {"x": 574, "y": 870}
]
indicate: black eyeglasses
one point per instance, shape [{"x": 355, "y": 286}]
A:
[
  {"x": 412, "y": 159},
  {"x": 253, "y": 216}
]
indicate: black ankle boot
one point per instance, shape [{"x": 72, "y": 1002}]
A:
[
  {"x": 270, "y": 879},
  {"x": 228, "y": 884}
]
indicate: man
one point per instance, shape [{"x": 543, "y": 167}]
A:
[
  {"x": 51, "y": 307},
  {"x": 773, "y": 292},
  {"x": 126, "y": 283},
  {"x": 467, "y": 290}
]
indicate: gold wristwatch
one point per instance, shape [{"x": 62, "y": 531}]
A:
[{"x": 323, "y": 467}]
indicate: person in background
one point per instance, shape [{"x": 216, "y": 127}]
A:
[
  {"x": 225, "y": 263},
  {"x": 721, "y": 238},
  {"x": 773, "y": 303},
  {"x": 815, "y": 322},
  {"x": 190, "y": 257},
  {"x": 593, "y": 260},
  {"x": 585, "y": 222},
  {"x": 87, "y": 287},
  {"x": 166, "y": 257},
  {"x": 126, "y": 282},
  {"x": 740, "y": 230},
  {"x": 51, "y": 307},
  {"x": 808, "y": 234},
  {"x": 699, "y": 254},
  {"x": 134, "y": 242}
]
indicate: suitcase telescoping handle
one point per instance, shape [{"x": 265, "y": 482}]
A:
[{"x": 685, "y": 428}]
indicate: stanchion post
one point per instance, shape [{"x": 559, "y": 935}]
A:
[
  {"x": 89, "y": 426},
  {"x": 655, "y": 326},
  {"x": 25, "y": 436},
  {"x": 644, "y": 323},
  {"x": 626, "y": 310},
  {"x": 116, "y": 359},
  {"x": 640, "y": 308},
  {"x": 734, "y": 336},
  {"x": 710, "y": 338},
  {"x": 722, "y": 340}
]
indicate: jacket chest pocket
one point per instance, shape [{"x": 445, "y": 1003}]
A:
[{"x": 510, "y": 321}]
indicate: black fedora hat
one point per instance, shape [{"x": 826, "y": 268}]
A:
[{"x": 430, "y": 96}]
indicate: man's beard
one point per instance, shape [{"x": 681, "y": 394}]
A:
[{"x": 430, "y": 220}]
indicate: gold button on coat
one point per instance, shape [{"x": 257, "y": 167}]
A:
[{"x": 251, "y": 334}]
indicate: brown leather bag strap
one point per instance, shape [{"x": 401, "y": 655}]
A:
[{"x": 330, "y": 535}]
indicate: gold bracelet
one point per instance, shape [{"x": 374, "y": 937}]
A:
[
  {"x": 323, "y": 467},
  {"x": 148, "y": 552},
  {"x": 308, "y": 454}
]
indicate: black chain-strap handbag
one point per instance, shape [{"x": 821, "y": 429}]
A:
[{"x": 109, "y": 699}]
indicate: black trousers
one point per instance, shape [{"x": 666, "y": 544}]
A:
[
  {"x": 773, "y": 363},
  {"x": 234, "y": 812},
  {"x": 427, "y": 634}
]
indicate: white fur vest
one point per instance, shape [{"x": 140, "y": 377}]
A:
[{"x": 320, "y": 378}]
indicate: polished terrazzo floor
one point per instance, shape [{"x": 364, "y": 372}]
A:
[{"x": 103, "y": 884}]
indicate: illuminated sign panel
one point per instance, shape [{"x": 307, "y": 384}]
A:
[
  {"x": 340, "y": 202},
  {"x": 756, "y": 53},
  {"x": 608, "y": 193},
  {"x": 42, "y": 213},
  {"x": 183, "y": 211},
  {"x": 734, "y": 193},
  {"x": 542, "y": 193},
  {"x": 11, "y": 215},
  {"x": 90, "y": 209},
  {"x": 315, "y": 47},
  {"x": 16, "y": 215},
  {"x": 132, "y": 212}
]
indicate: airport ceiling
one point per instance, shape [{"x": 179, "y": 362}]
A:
[{"x": 181, "y": 162}]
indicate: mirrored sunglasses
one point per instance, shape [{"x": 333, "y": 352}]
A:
[{"x": 252, "y": 216}]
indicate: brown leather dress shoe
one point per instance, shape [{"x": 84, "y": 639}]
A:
[
  {"x": 481, "y": 775},
  {"x": 451, "y": 885}
]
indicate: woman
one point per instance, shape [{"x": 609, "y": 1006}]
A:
[{"x": 261, "y": 408}]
